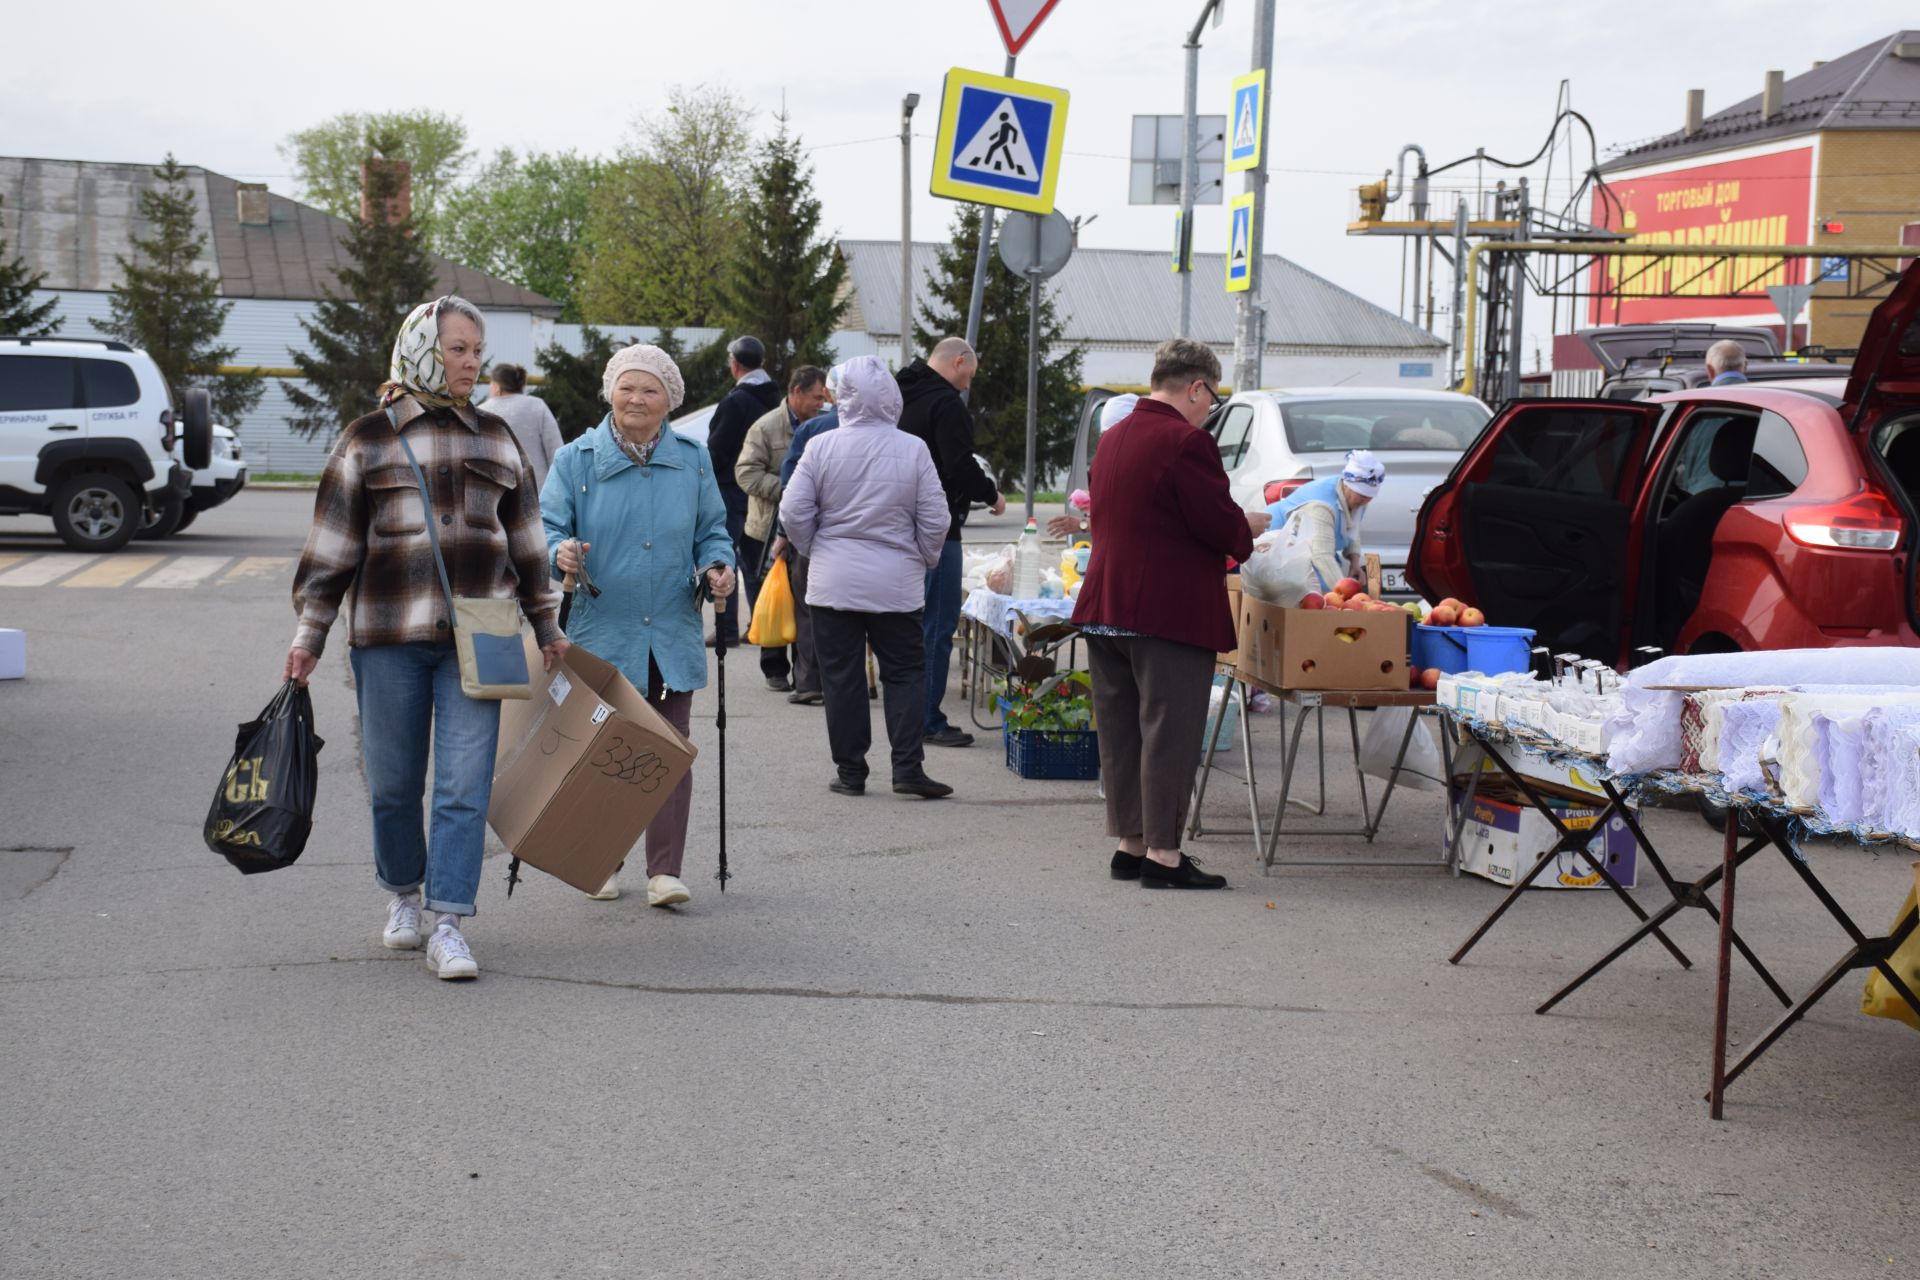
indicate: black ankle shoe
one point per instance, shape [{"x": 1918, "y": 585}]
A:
[
  {"x": 923, "y": 786},
  {"x": 1126, "y": 866},
  {"x": 1154, "y": 875},
  {"x": 846, "y": 788}
]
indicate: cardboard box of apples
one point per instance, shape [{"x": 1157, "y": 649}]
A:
[{"x": 1343, "y": 639}]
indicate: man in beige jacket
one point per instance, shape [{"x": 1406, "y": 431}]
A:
[{"x": 758, "y": 472}]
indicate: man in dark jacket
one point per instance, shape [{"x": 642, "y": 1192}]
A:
[
  {"x": 754, "y": 394},
  {"x": 934, "y": 411}
]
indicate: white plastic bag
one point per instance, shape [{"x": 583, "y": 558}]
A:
[
  {"x": 1381, "y": 743},
  {"x": 1281, "y": 568}
]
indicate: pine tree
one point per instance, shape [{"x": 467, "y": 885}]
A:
[
  {"x": 999, "y": 396},
  {"x": 783, "y": 285},
  {"x": 19, "y": 318},
  {"x": 352, "y": 331},
  {"x": 170, "y": 308}
]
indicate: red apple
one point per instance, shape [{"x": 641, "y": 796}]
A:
[
  {"x": 1313, "y": 600},
  {"x": 1443, "y": 615},
  {"x": 1334, "y": 600},
  {"x": 1350, "y": 587},
  {"x": 1413, "y": 677},
  {"x": 1471, "y": 617},
  {"x": 1430, "y": 678},
  {"x": 1452, "y": 603}
]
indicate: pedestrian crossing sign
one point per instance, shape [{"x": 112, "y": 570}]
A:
[
  {"x": 1240, "y": 244},
  {"x": 1000, "y": 141},
  {"x": 1248, "y": 119}
]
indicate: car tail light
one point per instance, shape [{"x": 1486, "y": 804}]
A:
[
  {"x": 1868, "y": 521},
  {"x": 1276, "y": 490}
]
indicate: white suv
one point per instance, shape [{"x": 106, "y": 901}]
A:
[{"x": 87, "y": 436}]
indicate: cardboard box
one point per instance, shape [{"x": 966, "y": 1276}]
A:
[
  {"x": 13, "y": 654},
  {"x": 1503, "y": 837},
  {"x": 581, "y": 770},
  {"x": 1232, "y": 659},
  {"x": 1284, "y": 649}
]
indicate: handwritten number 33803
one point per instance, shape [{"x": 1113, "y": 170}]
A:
[{"x": 617, "y": 760}]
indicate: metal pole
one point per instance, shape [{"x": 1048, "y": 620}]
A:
[
  {"x": 1033, "y": 360},
  {"x": 1517, "y": 302},
  {"x": 1460, "y": 284},
  {"x": 1249, "y": 333},
  {"x": 980, "y": 264},
  {"x": 907, "y": 105},
  {"x": 1190, "y": 166}
]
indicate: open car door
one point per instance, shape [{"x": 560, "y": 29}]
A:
[{"x": 1532, "y": 525}]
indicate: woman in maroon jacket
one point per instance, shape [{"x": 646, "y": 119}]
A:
[{"x": 1154, "y": 607}]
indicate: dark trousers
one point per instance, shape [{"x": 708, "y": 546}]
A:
[
  {"x": 773, "y": 658},
  {"x": 841, "y": 638},
  {"x": 806, "y": 660},
  {"x": 938, "y": 624},
  {"x": 1150, "y": 705},
  {"x": 726, "y": 620}
]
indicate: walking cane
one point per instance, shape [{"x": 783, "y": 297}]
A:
[{"x": 720, "y": 718}]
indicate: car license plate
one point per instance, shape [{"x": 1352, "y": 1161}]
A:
[{"x": 1393, "y": 580}]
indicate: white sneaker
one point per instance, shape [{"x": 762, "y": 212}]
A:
[
  {"x": 608, "y": 891},
  {"x": 448, "y": 956},
  {"x": 667, "y": 891},
  {"x": 403, "y": 925}
]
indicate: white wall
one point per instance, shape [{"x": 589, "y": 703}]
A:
[{"x": 265, "y": 332}]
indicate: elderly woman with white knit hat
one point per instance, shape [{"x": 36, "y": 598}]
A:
[
  {"x": 1330, "y": 512},
  {"x": 638, "y": 504}
]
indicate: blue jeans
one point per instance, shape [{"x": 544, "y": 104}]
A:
[
  {"x": 409, "y": 698},
  {"x": 942, "y": 618}
]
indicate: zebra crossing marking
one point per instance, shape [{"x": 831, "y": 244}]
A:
[
  {"x": 185, "y": 571},
  {"x": 115, "y": 571}
]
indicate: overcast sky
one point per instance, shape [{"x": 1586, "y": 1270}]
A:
[{"x": 221, "y": 84}]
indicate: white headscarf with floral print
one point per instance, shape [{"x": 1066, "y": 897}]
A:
[{"x": 417, "y": 368}]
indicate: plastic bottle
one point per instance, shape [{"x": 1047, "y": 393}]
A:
[{"x": 1026, "y": 564}]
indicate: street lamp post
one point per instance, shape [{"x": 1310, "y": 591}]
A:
[
  {"x": 1190, "y": 160},
  {"x": 907, "y": 105}
]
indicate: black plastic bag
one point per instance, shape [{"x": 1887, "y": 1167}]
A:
[{"x": 263, "y": 809}]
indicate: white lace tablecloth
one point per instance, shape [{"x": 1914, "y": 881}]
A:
[{"x": 996, "y": 611}]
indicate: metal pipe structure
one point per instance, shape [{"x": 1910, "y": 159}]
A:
[
  {"x": 1470, "y": 373},
  {"x": 1461, "y": 283},
  {"x": 1190, "y": 162},
  {"x": 1250, "y": 328},
  {"x": 907, "y": 104},
  {"x": 978, "y": 298}
]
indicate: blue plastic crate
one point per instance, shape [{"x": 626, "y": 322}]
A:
[
  {"x": 1489, "y": 650},
  {"x": 1043, "y": 753}
]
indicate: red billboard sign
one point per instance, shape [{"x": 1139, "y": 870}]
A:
[{"x": 1758, "y": 200}]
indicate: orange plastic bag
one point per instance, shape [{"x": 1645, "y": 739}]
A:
[
  {"x": 773, "y": 623},
  {"x": 1880, "y": 1000}
]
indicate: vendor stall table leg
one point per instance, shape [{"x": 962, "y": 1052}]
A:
[
  {"x": 1237, "y": 690},
  {"x": 1568, "y": 840},
  {"x": 1865, "y": 953},
  {"x": 1353, "y": 701}
]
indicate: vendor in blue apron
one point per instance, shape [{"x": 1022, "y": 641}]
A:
[{"x": 1331, "y": 512}]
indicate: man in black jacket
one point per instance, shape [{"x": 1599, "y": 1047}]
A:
[
  {"x": 754, "y": 394},
  {"x": 933, "y": 410}
]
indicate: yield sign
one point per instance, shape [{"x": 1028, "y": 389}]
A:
[{"x": 1019, "y": 19}]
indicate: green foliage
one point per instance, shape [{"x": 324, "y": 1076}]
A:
[
  {"x": 326, "y": 160},
  {"x": 524, "y": 219},
  {"x": 351, "y": 333},
  {"x": 18, "y": 316},
  {"x": 999, "y": 396},
  {"x": 663, "y": 224},
  {"x": 170, "y": 308},
  {"x": 783, "y": 285},
  {"x": 1059, "y": 704}
]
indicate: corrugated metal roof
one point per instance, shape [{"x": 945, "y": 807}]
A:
[
  {"x": 1871, "y": 88},
  {"x": 70, "y": 218},
  {"x": 1129, "y": 296}
]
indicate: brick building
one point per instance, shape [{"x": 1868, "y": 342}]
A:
[{"x": 1829, "y": 157}]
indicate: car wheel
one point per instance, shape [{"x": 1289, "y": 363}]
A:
[
  {"x": 196, "y": 422},
  {"x": 186, "y": 518},
  {"x": 96, "y": 512},
  {"x": 167, "y": 517}
]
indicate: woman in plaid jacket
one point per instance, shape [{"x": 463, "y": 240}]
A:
[{"x": 370, "y": 535}]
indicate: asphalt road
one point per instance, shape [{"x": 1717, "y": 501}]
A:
[{"x": 912, "y": 1039}]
